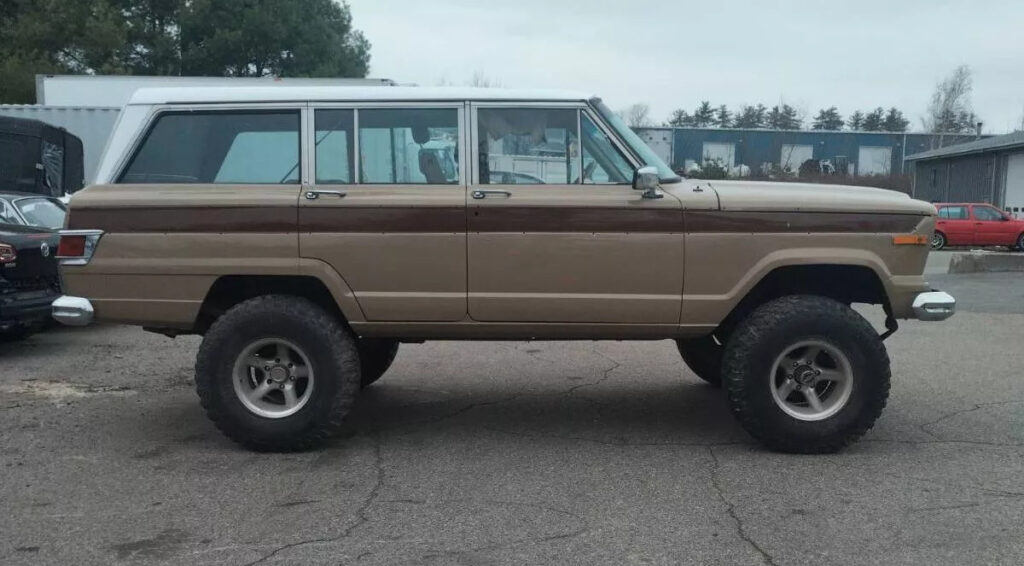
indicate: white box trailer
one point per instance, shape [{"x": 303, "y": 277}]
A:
[{"x": 88, "y": 105}]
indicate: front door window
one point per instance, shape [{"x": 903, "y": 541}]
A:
[{"x": 528, "y": 146}]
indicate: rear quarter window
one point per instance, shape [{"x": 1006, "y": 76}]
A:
[{"x": 229, "y": 147}]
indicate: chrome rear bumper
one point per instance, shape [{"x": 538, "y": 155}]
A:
[
  {"x": 72, "y": 311},
  {"x": 933, "y": 305}
]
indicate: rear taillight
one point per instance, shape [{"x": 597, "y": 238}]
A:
[
  {"x": 7, "y": 253},
  {"x": 77, "y": 246}
]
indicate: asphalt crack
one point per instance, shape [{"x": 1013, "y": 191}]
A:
[
  {"x": 611, "y": 442},
  {"x": 976, "y": 407},
  {"x": 361, "y": 516},
  {"x": 730, "y": 509}
]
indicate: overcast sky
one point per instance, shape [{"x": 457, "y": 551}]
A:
[{"x": 675, "y": 53}]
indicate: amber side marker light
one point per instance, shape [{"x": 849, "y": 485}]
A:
[{"x": 909, "y": 240}]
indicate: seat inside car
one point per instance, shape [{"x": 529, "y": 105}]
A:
[{"x": 430, "y": 166}]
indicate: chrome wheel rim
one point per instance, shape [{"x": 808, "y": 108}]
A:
[
  {"x": 811, "y": 380},
  {"x": 936, "y": 241},
  {"x": 273, "y": 378}
]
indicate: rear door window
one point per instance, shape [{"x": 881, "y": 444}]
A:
[
  {"x": 953, "y": 212},
  {"x": 251, "y": 147},
  {"x": 416, "y": 146}
]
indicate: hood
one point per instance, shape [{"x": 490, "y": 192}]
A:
[{"x": 759, "y": 195}]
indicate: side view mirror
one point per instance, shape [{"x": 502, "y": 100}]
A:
[{"x": 646, "y": 179}]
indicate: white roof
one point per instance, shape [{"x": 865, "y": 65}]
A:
[{"x": 341, "y": 93}]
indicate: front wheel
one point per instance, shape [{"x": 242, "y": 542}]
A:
[
  {"x": 277, "y": 373},
  {"x": 806, "y": 374},
  {"x": 938, "y": 241},
  {"x": 1020, "y": 243}
]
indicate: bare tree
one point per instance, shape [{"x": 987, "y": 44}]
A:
[
  {"x": 483, "y": 81},
  {"x": 950, "y": 109},
  {"x": 637, "y": 115}
]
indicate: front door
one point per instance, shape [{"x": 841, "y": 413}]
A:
[
  {"x": 992, "y": 228},
  {"x": 555, "y": 231},
  {"x": 387, "y": 207}
]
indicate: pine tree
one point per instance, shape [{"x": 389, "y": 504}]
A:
[
  {"x": 828, "y": 119},
  {"x": 856, "y": 121},
  {"x": 723, "y": 118},
  {"x": 704, "y": 115},
  {"x": 874, "y": 120},
  {"x": 679, "y": 119}
]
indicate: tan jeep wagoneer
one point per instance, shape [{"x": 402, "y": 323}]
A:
[{"x": 306, "y": 232}]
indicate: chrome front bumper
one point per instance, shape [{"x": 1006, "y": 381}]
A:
[
  {"x": 72, "y": 311},
  {"x": 933, "y": 305}
]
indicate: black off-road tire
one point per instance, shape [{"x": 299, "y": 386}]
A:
[
  {"x": 704, "y": 356},
  {"x": 375, "y": 357},
  {"x": 765, "y": 334},
  {"x": 332, "y": 354}
]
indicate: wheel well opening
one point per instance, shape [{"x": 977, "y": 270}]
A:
[
  {"x": 844, "y": 283},
  {"x": 230, "y": 290}
]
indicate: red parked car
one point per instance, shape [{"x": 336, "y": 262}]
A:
[{"x": 968, "y": 224}]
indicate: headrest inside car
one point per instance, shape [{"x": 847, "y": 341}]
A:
[{"x": 420, "y": 134}]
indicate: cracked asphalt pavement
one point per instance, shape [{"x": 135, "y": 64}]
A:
[{"x": 516, "y": 453}]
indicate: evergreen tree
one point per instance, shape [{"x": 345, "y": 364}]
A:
[
  {"x": 828, "y": 119},
  {"x": 704, "y": 115},
  {"x": 874, "y": 120},
  {"x": 856, "y": 121},
  {"x": 723, "y": 118}
]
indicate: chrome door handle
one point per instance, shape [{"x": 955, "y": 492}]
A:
[
  {"x": 313, "y": 195},
  {"x": 485, "y": 194}
]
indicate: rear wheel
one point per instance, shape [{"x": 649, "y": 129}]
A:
[
  {"x": 806, "y": 374},
  {"x": 704, "y": 357},
  {"x": 375, "y": 357},
  {"x": 277, "y": 373},
  {"x": 938, "y": 241}
]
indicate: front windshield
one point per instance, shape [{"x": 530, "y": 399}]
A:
[
  {"x": 640, "y": 149},
  {"x": 42, "y": 212}
]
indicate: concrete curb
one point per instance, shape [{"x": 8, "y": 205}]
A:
[{"x": 986, "y": 262}]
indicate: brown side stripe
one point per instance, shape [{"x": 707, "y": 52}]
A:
[
  {"x": 352, "y": 219},
  {"x": 569, "y": 219},
  {"x": 789, "y": 222},
  {"x": 185, "y": 219},
  {"x": 479, "y": 219}
]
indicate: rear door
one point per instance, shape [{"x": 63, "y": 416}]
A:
[
  {"x": 992, "y": 228},
  {"x": 555, "y": 231},
  {"x": 955, "y": 222},
  {"x": 386, "y": 206}
]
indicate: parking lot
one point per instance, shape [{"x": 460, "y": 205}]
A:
[{"x": 516, "y": 453}]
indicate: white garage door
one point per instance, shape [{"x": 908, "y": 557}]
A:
[
  {"x": 660, "y": 141},
  {"x": 874, "y": 160},
  {"x": 793, "y": 156},
  {"x": 722, "y": 152},
  {"x": 1014, "y": 201}
]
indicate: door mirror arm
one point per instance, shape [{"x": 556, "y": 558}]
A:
[{"x": 646, "y": 179}]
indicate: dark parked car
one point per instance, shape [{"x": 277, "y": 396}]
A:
[
  {"x": 36, "y": 157},
  {"x": 29, "y": 281}
]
